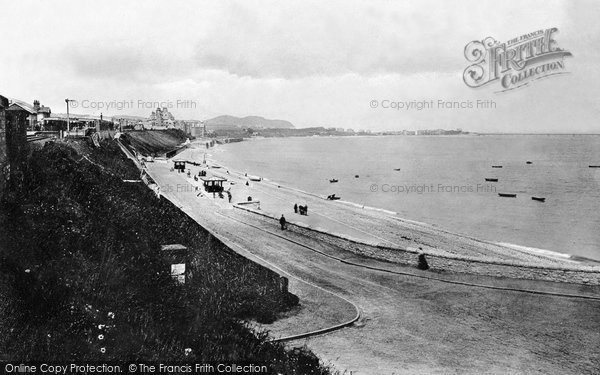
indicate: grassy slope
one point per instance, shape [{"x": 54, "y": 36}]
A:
[
  {"x": 79, "y": 245},
  {"x": 155, "y": 142}
]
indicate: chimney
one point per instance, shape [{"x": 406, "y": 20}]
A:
[{"x": 36, "y": 105}]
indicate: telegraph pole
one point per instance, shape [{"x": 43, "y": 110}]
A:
[{"x": 68, "y": 119}]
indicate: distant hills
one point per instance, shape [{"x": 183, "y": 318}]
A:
[{"x": 254, "y": 122}]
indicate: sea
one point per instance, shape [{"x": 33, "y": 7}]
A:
[{"x": 440, "y": 180}]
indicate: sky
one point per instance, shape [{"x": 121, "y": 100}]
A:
[{"x": 313, "y": 63}]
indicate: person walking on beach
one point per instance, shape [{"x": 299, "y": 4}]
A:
[
  {"x": 295, "y": 208},
  {"x": 282, "y": 222}
]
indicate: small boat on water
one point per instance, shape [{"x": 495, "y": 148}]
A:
[
  {"x": 396, "y": 169},
  {"x": 496, "y": 166},
  {"x": 356, "y": 176},
  {"x": 528, "y": 162},
  {"x": 507, "y": 195},
  {"x": 491, "y": 179},
  {"x": 333, "y": 180},
  {"x": 594, "y": 166},
  {"x": 539, "y": 199}
]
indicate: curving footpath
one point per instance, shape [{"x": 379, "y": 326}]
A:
[{"x": 315, "y": 332}]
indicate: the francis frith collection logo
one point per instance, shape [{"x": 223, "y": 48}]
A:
[{"x": 514, "y": 63}]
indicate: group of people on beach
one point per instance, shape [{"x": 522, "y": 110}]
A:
[{"x": 302, "y": 210}]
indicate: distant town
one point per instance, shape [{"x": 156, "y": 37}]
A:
[{"x": 41, "y": 119}]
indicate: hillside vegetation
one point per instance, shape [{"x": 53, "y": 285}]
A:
[
  {"x": 82, "y": 276},
  {"x": 154, "y": 142}
]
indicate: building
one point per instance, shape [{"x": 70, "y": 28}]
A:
[
  {"x": 26, "y": 110},
  {"x": 41, "y": 111},
  {"x": 193, "y": 127},
  {"x": 37, "y": 113},
  {"x": 196, "y": 129},
  {"x": 75, "y": 123},
  {"x": 439, "y": 132},
  {"x": 162, "y": 118},
  {"x": 125, "y": 123}
]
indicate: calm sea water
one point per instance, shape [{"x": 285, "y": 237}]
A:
[{"x": 442, "y": 181}]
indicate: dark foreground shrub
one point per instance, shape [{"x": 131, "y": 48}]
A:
[{"x": 82, "y": 276}]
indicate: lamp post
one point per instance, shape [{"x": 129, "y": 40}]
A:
[{"x": 68, "y": 119}]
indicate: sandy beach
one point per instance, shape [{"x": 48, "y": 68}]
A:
[
  {"x": 380, "y": 228},
  {"x": 460, "y": 316}
]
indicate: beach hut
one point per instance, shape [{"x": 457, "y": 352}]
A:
[
  {"x": 213, "y": 184},
  {"x": 179, "y": 165}
]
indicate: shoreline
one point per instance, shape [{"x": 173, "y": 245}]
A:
[
  {"x": 406, "y": 296},
  {"x": 324, "y": 232},
  {"x": 532, "y": 250},
  {"x": 523, "y": 248}
]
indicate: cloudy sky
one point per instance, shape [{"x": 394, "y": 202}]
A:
[{"x": 312, "y": 63}]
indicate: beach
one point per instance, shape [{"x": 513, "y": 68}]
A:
[
  {"x": 441, "y": 181},
  {"x": 385, "y": 234},
  {"x": 411, "y": 320}
]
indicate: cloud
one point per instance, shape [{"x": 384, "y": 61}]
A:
[
  {"x": 101, "y": 63},
  {"x": 310, "y": 62},
  {"x": 325, "y": 40}
]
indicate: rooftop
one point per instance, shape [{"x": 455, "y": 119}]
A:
[
  {"x": 213, "y": 178},
  {"x": 17, "y": 106}
]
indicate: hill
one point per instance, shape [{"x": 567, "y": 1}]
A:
[{"x": 254, "y": 122}]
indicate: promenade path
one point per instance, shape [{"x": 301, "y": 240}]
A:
[{"x": 407, "y": 324}]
